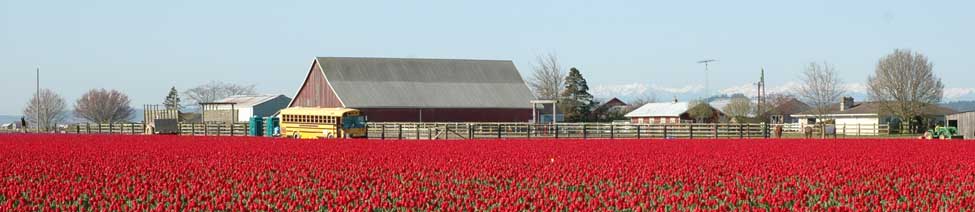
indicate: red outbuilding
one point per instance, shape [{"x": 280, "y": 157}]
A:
[{"x": 418, "y": 90}]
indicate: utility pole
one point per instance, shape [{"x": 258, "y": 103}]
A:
[
  {"x": 38, "y": 105},
  {"x": 707, "y": 81},
  {"x": 761, "y": 93}
]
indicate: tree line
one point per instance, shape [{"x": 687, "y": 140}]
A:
[
  {"x": 103, "y": 106},
  {"x": 903, "y": 83}
]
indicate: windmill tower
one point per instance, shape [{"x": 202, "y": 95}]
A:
[{"x": 707, "y": 81}]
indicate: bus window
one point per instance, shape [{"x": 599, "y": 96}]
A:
[{"x": 350, "y": 122}]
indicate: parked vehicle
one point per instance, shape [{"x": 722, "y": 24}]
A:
[{"x": 314, "y": 123}]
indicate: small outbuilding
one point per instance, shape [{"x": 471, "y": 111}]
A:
[
  {"x": 241, "y": 108},
  {"x": 964, "y": 121}
]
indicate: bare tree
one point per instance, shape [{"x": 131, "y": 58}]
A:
[
  {"x": 776, "y": 99},
  {"x": 214, "y": 91},
  {"x": 547, "y": 78},
  {"x": 820, "y": 88},
  {"x": 45, "y": 110},
  {"x": 738, "y": 106},
  {"x": 904, "y": 84},
  {"x": 643, "y": 99},
  {"x": 103, "y": 106}
]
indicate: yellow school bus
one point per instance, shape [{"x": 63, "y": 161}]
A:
[{"x": 312, "y": 123}]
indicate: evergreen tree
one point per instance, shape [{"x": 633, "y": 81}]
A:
[
  {"x": 172, "y": 100},
  {"x": 575, "y": 100}
]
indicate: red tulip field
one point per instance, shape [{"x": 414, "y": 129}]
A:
[{"x": 169, "y": 173}]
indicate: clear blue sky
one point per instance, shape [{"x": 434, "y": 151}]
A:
[{"x": 144, "y": 47}]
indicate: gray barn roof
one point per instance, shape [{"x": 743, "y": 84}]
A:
[{"x": 425, "y": 83}]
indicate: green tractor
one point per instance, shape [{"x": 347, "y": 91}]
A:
[{"x": 940, "y": 132}]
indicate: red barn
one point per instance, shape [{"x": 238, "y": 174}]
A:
[{"x": 418, "y": 90}]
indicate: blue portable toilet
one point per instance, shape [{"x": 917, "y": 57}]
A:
[
  {"x": 255, "y": 128},
  {"x": 270, "y": 124}
]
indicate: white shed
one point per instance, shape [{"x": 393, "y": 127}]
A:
[{"x": 246, "y": 106}]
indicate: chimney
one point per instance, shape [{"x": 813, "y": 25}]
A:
[{"x": 846, "y": 103}]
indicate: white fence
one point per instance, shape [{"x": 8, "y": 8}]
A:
[{"x": 841, "y": 129}]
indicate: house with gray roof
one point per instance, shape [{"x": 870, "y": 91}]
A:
[{"x": 848, "y": 113}]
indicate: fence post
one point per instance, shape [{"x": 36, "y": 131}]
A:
[
  {"x": 690, "y": 130},
  {"x": 665, "y": 131},
  {"x": 499, "y": 131},
  {"x": 859, "y": 128},
  {"x": 231, "y": 129},
  {"x": 556, "y": 130},
  {"x": 529, "y": 132},
  {"x": 715, "y": 132},
  {"x": 740, "y": 133},
  {"x": 585, "y": 133},
  {"x": 382, "y": 132},
  {"x": 612, "y": 132},
  {"x": 400, "y": 131},
  {"x": 638, "y": 131},
  {"x": 470, "y": 131},
  {"x": 844, "y": 129}
]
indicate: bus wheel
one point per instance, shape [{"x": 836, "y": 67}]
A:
[{"x": 295, "y": 135}]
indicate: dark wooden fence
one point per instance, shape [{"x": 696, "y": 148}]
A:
[
  {"x": 432, "y": 131},
  {"x": 119, "y": 128},
  {"x": 215, "y": 129}
]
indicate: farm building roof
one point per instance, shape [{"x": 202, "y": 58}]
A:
[
  {"x": 659, "y": 109},
  {"x": 874, "y": 108},
  {"x": 789, "y": 107},
  {"x": 429, "y": 83},
  {"x": 248, "y": 100}
]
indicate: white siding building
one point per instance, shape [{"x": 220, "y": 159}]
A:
[
  {"x": 658, "y": 113},
  {"x": 863, "y": 118},
  {"x": 245, "y": 106}
]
